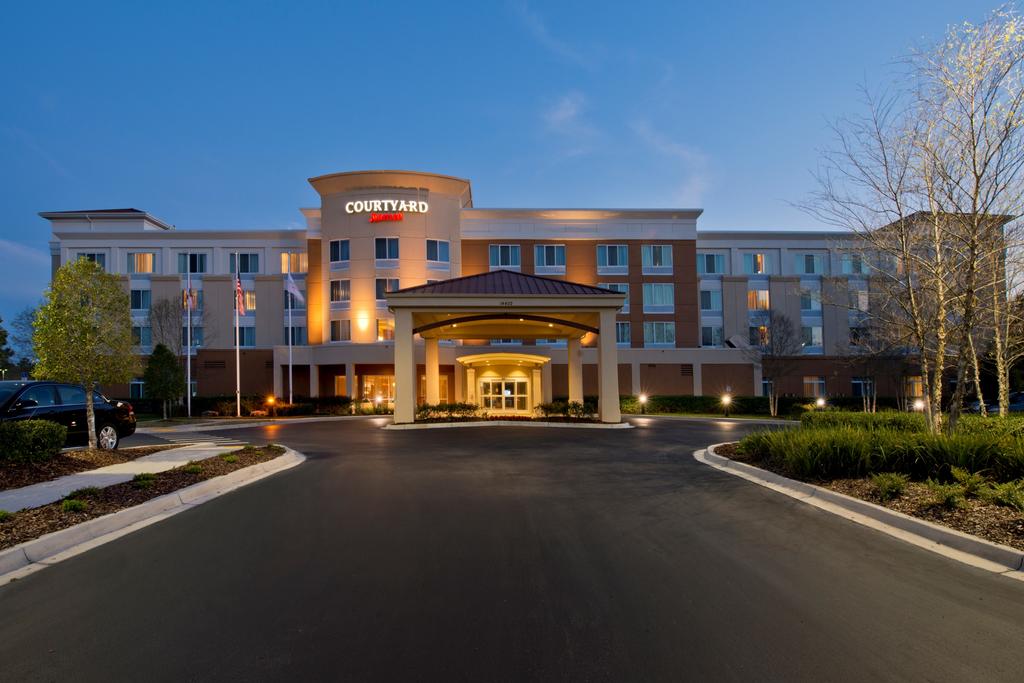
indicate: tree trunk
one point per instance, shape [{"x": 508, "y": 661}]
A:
[
  {"x": 976, "y": 368},
  {"x": 90, "y": 416}
]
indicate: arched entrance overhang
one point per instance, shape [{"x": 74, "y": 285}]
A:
[{"x": 499, "y": 305}]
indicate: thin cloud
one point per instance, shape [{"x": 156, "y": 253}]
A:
[
  {"x": 565, "y": 118},
  {"x": 26, "y": 139},
  {"x": 693, "y": 163},
  {"x": 538, "y": 29}
]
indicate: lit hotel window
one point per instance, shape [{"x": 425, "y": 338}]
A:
[
  {"x": 140, "y": 262},
  {"x": 758, "y": 300},
  {"x": 754, "y": 264},
  {"x": 294, "y": 262},
  {"x": 385, "y": 329},
  {"x": 341, "y": 290}
]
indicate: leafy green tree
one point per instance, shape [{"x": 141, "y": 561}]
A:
[
  {"x": 164, "y": 377},
  {"x": 83, "y": 332},
  {"x": 6, "y": 354}
]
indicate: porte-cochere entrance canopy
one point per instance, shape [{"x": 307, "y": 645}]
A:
[{"x": 505, "y": 305}]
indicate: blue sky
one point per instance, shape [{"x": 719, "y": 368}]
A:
[{"x": 212, "y": 115}]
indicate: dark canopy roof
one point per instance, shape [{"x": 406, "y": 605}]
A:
[{"x": 506, "y": 282}]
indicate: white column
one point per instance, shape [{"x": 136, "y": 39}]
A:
[
  {"x": 349, "y": 379},
  {"x": 545, "y": 378},
  {"x": 460, "y": 383},
  {"x": 538, "y": 391},
  {"x": 278, "y": 383},
  {"x": 698, "y": 380},
  {"x": 314, "y": 380},
  {"x": 608, "y": 370},
  {"x": 405, "y": 368},
  {"x": 576, "y": 369},
  {"x": 635, "y": 378},
  {"x": 471, "y": 386},
  {"x": 433, "y": 372}
]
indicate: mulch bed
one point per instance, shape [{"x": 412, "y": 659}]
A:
[
  {"x": 35, "y": 522},
  {"x": 14, "y": 475},
  {"x": 995, "y": 523}
]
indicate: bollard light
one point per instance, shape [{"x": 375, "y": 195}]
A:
[
  {"x": 270, "y": 404},
  {"x": 726, "y": 403},
  {"x": 819, "y": 402},
  {"x": 918, "y": 404},
  {"x": 643, "y": 403}
]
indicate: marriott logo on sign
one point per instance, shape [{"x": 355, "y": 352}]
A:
[{"x": 384, "y": 206}]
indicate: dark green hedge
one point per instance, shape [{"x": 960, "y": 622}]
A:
[{"x": 31, "y": 440}]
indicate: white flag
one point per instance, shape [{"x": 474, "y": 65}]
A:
[{"x": 293, "y": 289}]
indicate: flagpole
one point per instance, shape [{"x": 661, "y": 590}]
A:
[
  {"x": 188, "y": 343},
  {"x": 238, "y": 354},
  {"x": 291, "y": 304}
]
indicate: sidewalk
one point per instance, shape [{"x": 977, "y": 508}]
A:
[
  {"x": 50, "y": 491},
  {"x": 242, "y": 423}
]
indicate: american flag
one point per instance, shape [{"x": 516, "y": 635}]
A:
[{"x": 239, "y": 296}]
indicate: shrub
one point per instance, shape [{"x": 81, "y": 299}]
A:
[
  {"x": 554, "y": 409},
  {"x": 889, "y": 485},
  {"x": 906, "y": 422},
  {"x": 31, "y": 440},
  {"x": 1010, "y": 494},
  {"x": 229, "y": 458},
  {"x": 72, "y": 505},
  {"x": 86, "y": 492},
  {"x": 950, "y": 496},
  {"x": 143, "y": 480},
  {"x": 4, "y": 515},
  {"x": 446, "y": 411},
  {"x": 972, "y": 484},
  {"x": 576, "y": 410},
  {"x": 192, "y": 468}
]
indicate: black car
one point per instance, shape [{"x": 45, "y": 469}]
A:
[{"x": 65, "y": 404}]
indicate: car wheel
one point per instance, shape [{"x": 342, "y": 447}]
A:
[{"x": 107, "y": 438}]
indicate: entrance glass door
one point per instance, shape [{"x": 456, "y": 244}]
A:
[{"x": 505, "y": 395}]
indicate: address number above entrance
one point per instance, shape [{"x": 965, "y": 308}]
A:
[{"x": 386, "y": 205}]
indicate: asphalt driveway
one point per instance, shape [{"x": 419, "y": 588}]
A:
[{"x": 509, "y": 554}]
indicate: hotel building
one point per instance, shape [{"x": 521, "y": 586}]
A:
[{"x": 681, "y": 303}]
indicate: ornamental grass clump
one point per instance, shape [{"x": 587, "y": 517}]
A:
[
  {"x": 1009, "y": 494},
  {"x": 889, "y": 485},
  {"x": 949, "y": 496},
  {"x": 905, "y": 422}
]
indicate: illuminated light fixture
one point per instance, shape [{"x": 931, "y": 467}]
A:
[
  {"x": 726, "y": 403},
  {"x": 819, "y": 402},
  {"x": 551, "y": 324},
  {"x": 378, "y": 400},
  {"x": 643, "y": 403},
  {"x": 918, "y": 404},
  {"x": 363, "y": 321},
  {"x": 520, "y": 320},
  {"x": 271, "y": 400}
]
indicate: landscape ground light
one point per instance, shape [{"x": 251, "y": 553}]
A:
[
  {"x": 643, "y": 402},
  {"x": 726, "y": 402}
]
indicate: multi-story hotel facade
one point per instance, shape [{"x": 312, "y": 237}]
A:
[{"x": 692, "y": 299}]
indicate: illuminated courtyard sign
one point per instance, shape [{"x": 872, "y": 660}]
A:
[{"x": 385, "y": 206}]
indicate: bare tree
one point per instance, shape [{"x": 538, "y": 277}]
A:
[{"x": 776, "y": 352}]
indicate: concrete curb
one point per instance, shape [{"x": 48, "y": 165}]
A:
[
  {"x": 31, "y": 556},
  {"x": 214, "y": 427},
  {"x": 510, "y": 423},
  {"x": 944, "y": 541}
]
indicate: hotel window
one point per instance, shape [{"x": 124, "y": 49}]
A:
[
  {"x": 711, "y": 335},
  {"x": 191, "y": 263},
  {"x": 710, "y": 264},
  {"x": 859, "y": 300},
  {"x": 341, "y": 330},
  {"x": 379, "y": 388},
  {"x": 249, "y": 299},
  {"x": 623, "y": 333},
  {"x": 141, "y": 262},
  {"x": 711, "y": 300},
  {"x": 136, "y": 389},
  {"x": 197, "y": 336},
  {"x": 385, "y": 329},
  {"x": 385, "y": 285},
  {"x": 142, "y": 335},
  {"x": 812, "y": 339},
  {"x": 247, "y": 263},
  {"x": 341, "y": 290},
  {"x": 861, "y": 387},
  {"x": 298, "y": 335},
  {"x": 814, "y": 386},
  {"x": 659, "y": 334},
  {"x": 809, "y": 264},
  {"x": 656, "y": 259},
  {"x": 247, "y": 336},
  {"x": 438, "y": 253},
  {"x": 386, "y": 248},
  {"x": 199, "y": 299},
  {"x": 506, "y": 342},
  {"x": 618, "y": 287},
  {"x": 914, "y": 386},
  {"x": 755, "y": 264},
  {"x": 853, "y": 264},
  {"x": 810, "y": 300},
  {"x": 339, "y": 251},
  {"x": 503, "y": 256},
  {"x": 758, "y": 300},
  {"x": 766, "y": 386},
  {"x": 758, "y": 335},
  {"x": 549, "y": 259},
  {"x": 612, "y": 259},
  {"x": 95, "y": 257},
  {"x": 294, "y": 262},
  {"x": 140, "y": 299},
  {"x": 858, "y": 336},
  {"x": 659, "y": 297}
]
